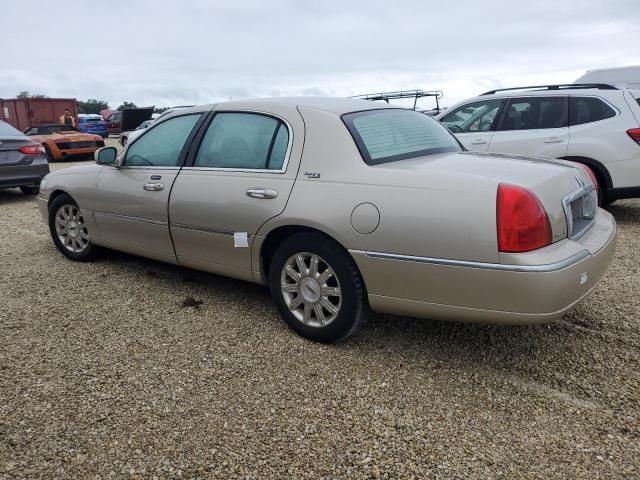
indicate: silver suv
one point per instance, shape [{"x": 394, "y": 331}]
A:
[{"x": 597, "y": 125}]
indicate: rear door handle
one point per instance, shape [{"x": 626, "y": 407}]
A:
[
  {"x": 479, "y": 142},
  {"x": 262, "y": 193},
  {"x": 153, "y": 186},
  {"x": 554, "y": 140}
]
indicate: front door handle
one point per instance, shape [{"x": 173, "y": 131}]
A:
[
  {"x": 153, "y": 186},
  {"x": 262, "y": 193},
  {"x": 553, "y": 140},
  {"x": 479, "y": 142}
]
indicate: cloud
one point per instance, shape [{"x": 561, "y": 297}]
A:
[{"x": 170, "y": 53}]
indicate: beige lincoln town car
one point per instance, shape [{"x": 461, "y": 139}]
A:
[{"x": 341, "y": 206}]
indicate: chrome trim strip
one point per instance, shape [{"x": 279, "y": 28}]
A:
[
  {"x": 134, "y": 219},
  {"x": 550, "y": 267},
  {"x": 203, "y": 229}
]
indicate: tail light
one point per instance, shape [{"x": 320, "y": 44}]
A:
[
  {"x": 32, "y": 149},
  {"x": 634, "y": 133},
  {"x": 522, "y": 222}
]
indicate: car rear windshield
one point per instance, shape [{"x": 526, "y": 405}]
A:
[{"x": 388, "y": 135}]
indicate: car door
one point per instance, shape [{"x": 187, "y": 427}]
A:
[
  {"x": 535, "y": 126},
  {"x": 131, "y": 201},
  {"x": 240, "y": 176},
  {"x": 473, "y": 124}
]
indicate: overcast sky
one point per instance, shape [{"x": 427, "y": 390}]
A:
[{"x": 168, "y": 52}]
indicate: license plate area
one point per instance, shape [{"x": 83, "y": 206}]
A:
[{"x": 580, "y": 208}]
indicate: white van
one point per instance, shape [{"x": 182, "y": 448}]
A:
[{"x": 621, "y": 77}]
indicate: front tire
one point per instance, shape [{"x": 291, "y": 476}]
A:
[
  {"x": 317, "y": 288},
  {"x": 68, "y": 230}
]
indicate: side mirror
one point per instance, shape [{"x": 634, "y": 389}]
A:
[{"x": 105, "y": 156}]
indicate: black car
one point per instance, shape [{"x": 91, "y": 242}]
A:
[{"x": 23, "y": 162}]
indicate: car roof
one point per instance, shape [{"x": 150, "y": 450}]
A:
[{"x": 335, "y": 105}]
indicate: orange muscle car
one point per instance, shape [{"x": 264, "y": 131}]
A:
[{"x": 64, "y": 141}]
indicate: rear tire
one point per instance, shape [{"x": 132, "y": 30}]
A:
[
  {"x": 317, "y": 288},
  {"x": 47, "y": 151},
  {"x": 30, "y": 190},
  {"x": 68, "y": 230}
]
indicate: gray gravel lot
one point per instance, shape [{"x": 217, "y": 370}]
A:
[{"x": 105, "y": 373}]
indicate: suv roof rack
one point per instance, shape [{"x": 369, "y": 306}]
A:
[
  {"x": 415, "y": 94},
  {"x": 561, "y": 86}
]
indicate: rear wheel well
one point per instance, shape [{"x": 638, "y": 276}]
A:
[
  {"x": 276, "y": 237},
  {"x": 603, "y": 175}
]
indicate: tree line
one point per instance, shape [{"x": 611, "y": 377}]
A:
[{"x": 92, "y": 105}]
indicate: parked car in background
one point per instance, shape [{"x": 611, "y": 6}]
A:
[
  {"x": 621, "y": 77},
  {"x": 23, "y": 162},
  {"x": 112, "y": 123},
  {"x": 128, "y": 119},
  {"x": 127, "y": 137},
  {"x": 63, "y": 141},
  {"x": 92, "y": 124},
  {"x": 133, "y": 134},
  {"x": 382, "y": 208},
  {"x": 592, "y": 124}
]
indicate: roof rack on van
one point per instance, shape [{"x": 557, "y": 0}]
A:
[
  {"x": 562, "y": 86},
  {"x": 415, "y": 94}
]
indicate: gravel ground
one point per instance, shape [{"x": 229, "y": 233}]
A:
[{"x": 105, "y": 371}]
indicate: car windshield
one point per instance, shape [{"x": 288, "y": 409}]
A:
[
  {"x": 59, "y": 128},
  {"x": 389, "y": 135},
  {"x": 7, "y": 130}
]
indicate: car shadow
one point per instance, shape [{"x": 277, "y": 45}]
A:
[
  {"x": 387, "y": 336},
  {"x": 13, "y": 195},
  {"x": 625, "y": 211}
]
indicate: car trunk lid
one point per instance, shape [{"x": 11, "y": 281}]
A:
[{"x": 10, "y": 153}]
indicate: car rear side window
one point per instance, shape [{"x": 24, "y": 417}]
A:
[
  {"x": 532, "y": 113},
  {"x": 161, "y": 145},
  {"x": 244, "y": 141},
  {"x": 587, "y": 110},
  {"x": 389, "y": 135}
]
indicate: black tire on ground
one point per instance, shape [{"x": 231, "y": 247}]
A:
[
  {"x": 86, "y": 255},
  {"x": 30, "y": 190},
  {"x": 48, "y": 153},
  {"x": 353, "y": 305}
]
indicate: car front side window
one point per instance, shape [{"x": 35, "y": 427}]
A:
[
  {"x": 473, "y": 117},
  {"x": 238, "y": 140},
  {"x": 161, "y": 145}
]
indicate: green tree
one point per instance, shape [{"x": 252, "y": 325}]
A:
[
  {"x": 92, "y": 106},
  {"x": 160, "y": 109},
  {"x": 127, "y": 105},
  {"x": 25, "y": 94}
]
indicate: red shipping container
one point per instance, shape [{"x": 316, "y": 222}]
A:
[{"x": 22, "y": 113}]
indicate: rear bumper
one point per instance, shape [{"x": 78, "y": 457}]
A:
[
  {"x": 536, "y": 287},
  {"x": 59, "y": 154},
  {"x": 23, "y": 175}
]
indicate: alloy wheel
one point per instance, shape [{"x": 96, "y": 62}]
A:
[
  {"x": 71, "y": 229},
  {"x": 311, "y": 289}
]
